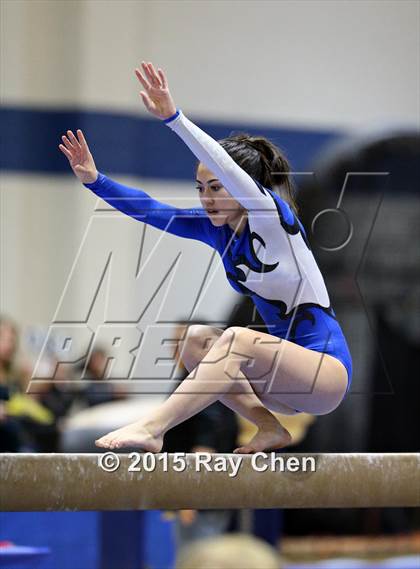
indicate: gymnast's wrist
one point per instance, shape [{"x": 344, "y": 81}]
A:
[
  {"x": 98, "y": 179},
  {"x": 173, "y": 117}
]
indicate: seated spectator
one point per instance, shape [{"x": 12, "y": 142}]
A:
[
  {"x": 22, "y": 416},
  {"x": 98, "y": 389}
]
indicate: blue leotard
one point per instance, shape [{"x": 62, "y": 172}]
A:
[{"x": 271, "y": 260}]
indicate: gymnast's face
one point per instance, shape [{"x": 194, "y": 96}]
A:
[{"x": 221, "y": 207}]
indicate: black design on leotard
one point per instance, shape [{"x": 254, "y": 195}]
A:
[{"x": 300, "y": 313}]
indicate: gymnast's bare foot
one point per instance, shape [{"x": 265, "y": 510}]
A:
[
  {"x": 267, "y": 438},
  {"x": 133, "y": 435}
]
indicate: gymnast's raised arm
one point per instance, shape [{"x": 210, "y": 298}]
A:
[
  {"x": 237, "y": 182},
  {"x": 190, "y": 223}
]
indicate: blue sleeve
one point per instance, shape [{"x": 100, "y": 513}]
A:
[{"x": 190, "y": 223}]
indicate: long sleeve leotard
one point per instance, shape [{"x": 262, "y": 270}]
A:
[{"x": 271, "y": 260}]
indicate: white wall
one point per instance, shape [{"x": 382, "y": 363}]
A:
[{"x": 313, "y": 63}]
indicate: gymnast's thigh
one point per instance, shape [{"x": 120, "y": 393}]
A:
[{"x": 281, "y": 370}]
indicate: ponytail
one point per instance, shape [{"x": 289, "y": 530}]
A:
[{"x": 264, "y": 162}]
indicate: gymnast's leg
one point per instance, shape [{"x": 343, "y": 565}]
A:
[
  {"x": 298, "y": 377},
  {"x": 197, "y": 342},
  {"x": 195, "y": 345}
]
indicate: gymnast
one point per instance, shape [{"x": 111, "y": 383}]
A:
[{"x": 249, "y": 216}]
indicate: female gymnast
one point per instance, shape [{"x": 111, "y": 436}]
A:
[{"x": 303, "y": 364}]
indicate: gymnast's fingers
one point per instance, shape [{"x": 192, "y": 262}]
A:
[
  {"x": 146, "y": 71},
  {"x": 147, "y": 102},
  {"x": 81, "y": 137},
  {"x": 163, "y": 78},
  {"x": 65, "y": 151},
  {"x": 82, "y": 141},
  {"x": 142, "y": 80},
  {"x": 67, "y": 143},
  {"x": 155, "y": 77},
  {"x": 152, "y": 76},
  {"x": 73, "y": 140}
]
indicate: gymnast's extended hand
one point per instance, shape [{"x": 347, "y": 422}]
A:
[
  {"x": 156, "y": 96},
  {"x": 79, "y": 156}
]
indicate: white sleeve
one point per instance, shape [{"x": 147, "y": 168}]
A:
[{"x": 236, "y": 181}]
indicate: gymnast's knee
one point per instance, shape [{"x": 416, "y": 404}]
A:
[
  {"x": 199, "y": 336},
  {"x": 196, "y": 343},
  {"x": 233, "y": 336}
]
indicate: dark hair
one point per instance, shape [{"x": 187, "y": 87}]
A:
[{"x": 264, "y": 162}]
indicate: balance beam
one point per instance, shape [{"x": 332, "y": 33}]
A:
[{"x": 50, "y": 482}]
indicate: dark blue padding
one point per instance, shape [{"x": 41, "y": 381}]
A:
[{"x": 130, "y": 144}]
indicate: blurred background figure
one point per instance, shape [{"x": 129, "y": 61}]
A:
[
  {"x": 24, "y": 420},
  {"x": 229, "y": 552},
  {"x": 98, "y": 390},
  {"x": 11, "y": 436}
]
